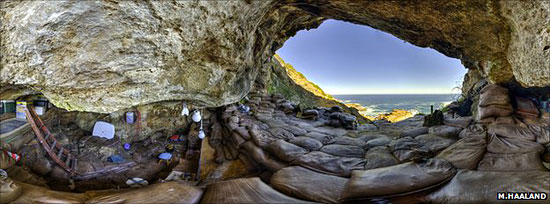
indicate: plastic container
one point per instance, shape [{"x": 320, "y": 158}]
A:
[
  {"x": 130, "y": 117},
  {"x": 20, "y": 109},
  {"x": 8, "y": 106}
]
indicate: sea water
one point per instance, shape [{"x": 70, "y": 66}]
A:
[{"x": 416, "y": 103}]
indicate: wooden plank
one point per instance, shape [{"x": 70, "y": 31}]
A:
[{"x": 53, "y": 145}]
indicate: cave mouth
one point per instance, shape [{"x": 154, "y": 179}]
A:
[{"x": 358, "y": 64}]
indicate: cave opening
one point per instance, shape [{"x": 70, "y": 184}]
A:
[{"x": 360, "y": 65}]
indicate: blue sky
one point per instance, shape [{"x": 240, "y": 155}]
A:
[{"x": 345, "y": 58}]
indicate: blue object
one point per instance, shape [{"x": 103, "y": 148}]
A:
[
  {"x": 115, "y": 159},
  {"x": 127, "y": 146},
  {"x": 165, "y": 156}
]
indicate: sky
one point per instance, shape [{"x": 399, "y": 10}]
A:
[{"x": 345, "y": 58}]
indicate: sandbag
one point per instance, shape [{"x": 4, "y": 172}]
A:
[
  {"x": 329, "y": 164},
  {"x": 445, "y": 130},
  {"x": 542, "y": 133},
  {"x": 435, "y": 143},
  {"x": 261, "y": 137},
  {"x": 505, "y": 120},
  {"x": 295, "y": 130},
  {"x": 408, "y": 149},
  {"x": 245, "y": 190},
  {"x": 511, "y": 162},
  {"x": 494, "y": 95},
  {"x": 343, "y": 150},
  {"x": 399, "y": 179},
  {"x": 280, "y": 133},
  {"x": 305, "y": 184},
  {"x": 345, "y": 140},
  {"x": 497, "y": 144},
  {"x": 262, "y": 157},
  {"x": 323, "y": 138},
  {"x": 379, "y": 141},
  {"x": 169, "y": 192},
  {"x": 494, "y": 111},
  {"x": 285, "y": 151},
  {"x": 243, "y": 132},
  {"x": 414, "y": 132},
  {"x": 473, "y": 131},
  {"x": 378, "y": 157},
  {"x": 465, "y": 153},
  {"x": 511, "y": 131},
  {"x": 461, "y": 122},
  {"x": 482, "y": 186},
  {"x": 237, "y": 140},
  {"x": 307, "y": 142}
]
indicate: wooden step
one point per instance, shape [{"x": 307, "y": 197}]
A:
[{"x": 53, "y": 145}]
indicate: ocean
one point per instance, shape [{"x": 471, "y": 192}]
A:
[{"x": 416, "y": 103}]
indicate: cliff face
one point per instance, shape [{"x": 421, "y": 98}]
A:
[
  {"x": 282, "y": 78},
  {"x": 103, "y": 56}
]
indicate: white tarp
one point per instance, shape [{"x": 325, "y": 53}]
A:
[{"x": 104, "y": 129}]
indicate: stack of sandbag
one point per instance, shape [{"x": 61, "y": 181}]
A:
[
  {"x": 245, "y": 190},
  {"x": 511, "y": 148},
  {"x": 332, "y": 117},
  {"x": 408, "y": 149},
  {"x": 494, "y": 102},
  {"x": 396, "y": 180},
  {"x": 305, "y": 184},
  {"x": 482, "y": 187}
]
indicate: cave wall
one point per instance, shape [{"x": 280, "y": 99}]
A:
[{"x": 106, "y": 56}]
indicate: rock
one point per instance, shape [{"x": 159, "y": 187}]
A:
[
  {"x": 343, "y": 150},
  {"x": 195, "y": 65},
  {"x": 307, "y": 142},
  {"x": 305, "y": 184},
  {"x": 433, "y": 119},
  {"x": 378, "y": 157}
]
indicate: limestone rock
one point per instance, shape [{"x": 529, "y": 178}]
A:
[{"x": 103, "y": 56}]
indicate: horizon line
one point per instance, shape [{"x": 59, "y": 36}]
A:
[{"x": 394, "y": 93}]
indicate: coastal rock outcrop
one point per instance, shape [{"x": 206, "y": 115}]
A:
[{"x": 103, "y": 56}]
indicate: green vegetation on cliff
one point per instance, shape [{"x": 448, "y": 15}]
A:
[
  {"x": 281, "y": 78},
  {"x": 301, "y": 80}
]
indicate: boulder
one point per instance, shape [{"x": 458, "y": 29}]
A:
[{"x": 305, "y": 184}]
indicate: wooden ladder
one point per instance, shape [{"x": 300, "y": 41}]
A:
[{"x": 48, "y": 141}]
